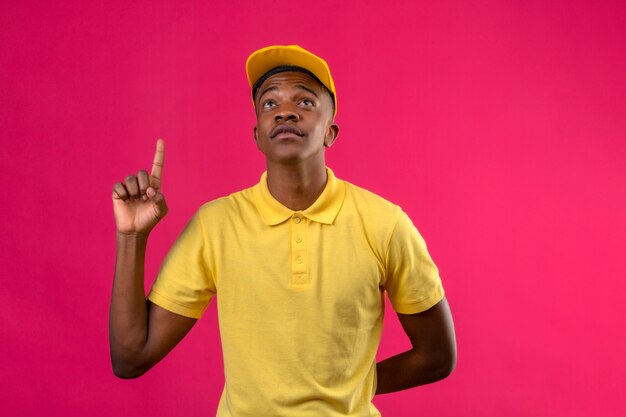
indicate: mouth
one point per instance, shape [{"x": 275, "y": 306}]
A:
[{"x": 285, "y": 130}]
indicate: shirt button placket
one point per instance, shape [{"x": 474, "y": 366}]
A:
[{"x": 299, "y": 263}]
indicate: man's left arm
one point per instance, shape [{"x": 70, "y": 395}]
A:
[{"x": 432, "y": 357}]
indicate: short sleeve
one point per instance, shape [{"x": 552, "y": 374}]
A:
[
  {"x": 184, "y": 284},
  {"x": 412, "y": 279}
]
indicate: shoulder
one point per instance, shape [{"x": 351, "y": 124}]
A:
[
  {"x": 369, "y": 203},
  {"x": 376, "y": 216},
  {"x": 228, "y": 203},
  {"x": 235, "y": 204}
]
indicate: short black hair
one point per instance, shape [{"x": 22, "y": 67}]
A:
[{"x": 290, "y": 68}]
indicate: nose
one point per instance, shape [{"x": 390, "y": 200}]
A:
[{"x": 285, "y": 114}]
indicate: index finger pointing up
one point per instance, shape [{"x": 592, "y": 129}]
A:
[{"x": 157, "y": 165}]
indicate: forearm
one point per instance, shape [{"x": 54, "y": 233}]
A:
[
  {"x": 411, "y": 369},
  {"x": 128, "y": 319}
]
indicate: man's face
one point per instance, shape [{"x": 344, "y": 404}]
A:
[{"x": 294, "y": 119}]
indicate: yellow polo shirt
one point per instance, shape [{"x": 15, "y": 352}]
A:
[{"x": 300, "y": 294}]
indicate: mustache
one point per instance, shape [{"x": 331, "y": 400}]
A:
[{"x": 285, "y": 129}]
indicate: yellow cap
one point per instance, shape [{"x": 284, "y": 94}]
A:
[{"x": 268, "y": 58}]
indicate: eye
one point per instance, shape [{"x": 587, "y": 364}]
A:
[
  {"x": 308, "y": 102},
  {"x": 269, "y": 104}
]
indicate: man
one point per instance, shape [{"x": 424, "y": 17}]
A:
[{"x": 300, "y": 263}]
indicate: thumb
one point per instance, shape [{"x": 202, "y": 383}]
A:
[{"x": 157, "y": 198}]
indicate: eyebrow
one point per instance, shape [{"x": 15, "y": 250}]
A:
[
  {"x": 300, "y": 86},
  {"x": 267, "y": 90},
  {"x": 304, "y": 87}
]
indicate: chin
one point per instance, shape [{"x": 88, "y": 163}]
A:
[{"x": 293, "y": 155}]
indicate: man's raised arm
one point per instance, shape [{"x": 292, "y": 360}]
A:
[{"x": 140, "y": 332}]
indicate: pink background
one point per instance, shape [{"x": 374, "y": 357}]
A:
[{"x": 499, "y": 127}]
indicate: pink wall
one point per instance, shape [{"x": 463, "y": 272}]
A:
[{"x": 499, "y": 127}]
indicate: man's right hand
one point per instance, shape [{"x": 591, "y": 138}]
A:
[
  {"x": 138, "y": 204},
  {"x": 138, "y": 343}
]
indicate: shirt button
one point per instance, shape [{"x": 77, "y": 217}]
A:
[
  {"x": 298, "y": 239},
  {"x": 297, "y": 220},
  {"x": 299, "y": 259}
]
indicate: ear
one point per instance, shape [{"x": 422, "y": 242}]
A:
[
  {"x": 331, "y": 135},
  {"x": 256, "y": 138}
]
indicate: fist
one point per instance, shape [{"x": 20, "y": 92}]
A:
[{"x": 138, "y": 204}]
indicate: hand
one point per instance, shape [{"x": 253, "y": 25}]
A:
[{"x": 138, "y": 204}]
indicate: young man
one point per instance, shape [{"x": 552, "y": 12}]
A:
[{"x": 300, "y": 263}]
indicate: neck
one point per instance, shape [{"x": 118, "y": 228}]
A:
[{"x": 296, "y": 186}]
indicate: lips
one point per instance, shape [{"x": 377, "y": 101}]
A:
[{"x": 285, "y": 129}]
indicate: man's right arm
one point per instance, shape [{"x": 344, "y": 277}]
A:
[{"x": 140, "y": 332}]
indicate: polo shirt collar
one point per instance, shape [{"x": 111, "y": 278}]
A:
[{"x": 323, "y": 210}]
